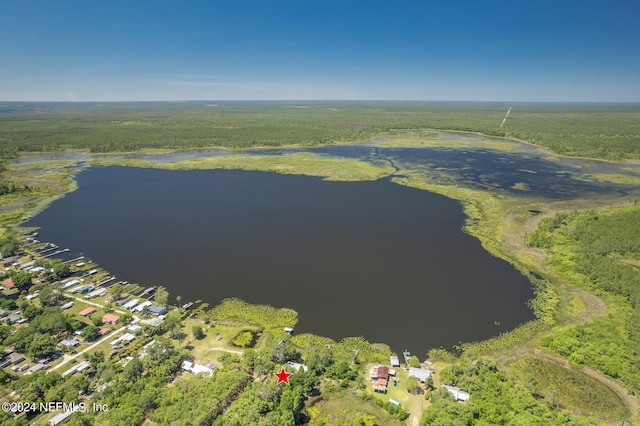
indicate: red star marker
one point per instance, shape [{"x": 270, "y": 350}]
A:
[{"x": 283, "y": 376}]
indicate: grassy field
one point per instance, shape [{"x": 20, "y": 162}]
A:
[
  {"x": 503, "y": 145},
  {"x": 568, "y": 388},
  {"x": 330, "y": 168},
  {"x": 343, "y": 407}
]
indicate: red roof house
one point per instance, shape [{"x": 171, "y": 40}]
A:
[
  {"x": 380, "y": 378},
  {"x": 87, "y": 311},
  {"x": 110, "y": 319}
]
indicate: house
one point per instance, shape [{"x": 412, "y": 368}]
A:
[
  {"x": 380, "y": 378},
  {"x": 125, "y": 338},
  {"x": 83, "y": 289},
  {"x": 9, "y": 261},
  {"x": 110, "y": 319},
  {"x": 35, "y": 368},
  {"x": 69, "y": 342},
  {"x": 421, "y": 374},
  {"x": 130, "y": 304},
  {"x": 141, "y": 307},
  {"x": 13, "y": 318},
  {"x": 96, "y": 293},
  {"x": 104, "y": 330},
  {"x": 66, "y": 306},
  {"x": 297, "y": 366},
  {"x": 153, "y": 322},
  {"x": 15, "y": 358},
  {"x": 395, "y": 362},
  {"x": 8, "y": 284},
  {"x": 60, "y": 417},
  {"x": 78, "y": 367},
  {"x": 86, "y": 312},
  {"x": 134, "y": 328},
  {"x": 157, "y": 310},
  {"x": 69, "y": 284},
  {"x": 458, "y": 394},
  {"x": 147, "y": 291},
  {"x": 196, "y": 368}
]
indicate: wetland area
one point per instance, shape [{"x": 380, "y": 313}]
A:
[{"x": 374, "y": 258}]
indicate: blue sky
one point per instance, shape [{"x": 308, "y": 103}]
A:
[{"x": 544, "y": 50}]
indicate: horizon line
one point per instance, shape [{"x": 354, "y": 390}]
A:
[{"x": 316, "y": 100}]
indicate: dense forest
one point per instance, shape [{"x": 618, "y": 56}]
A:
[
  {"x": 599, "y": 251},
  {"x": 609, "y": 131}
]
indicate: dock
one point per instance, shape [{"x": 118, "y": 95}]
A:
[{"x": 406, "y": 354}]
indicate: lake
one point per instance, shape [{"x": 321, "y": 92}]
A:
[{"x": 376, "y": 259}]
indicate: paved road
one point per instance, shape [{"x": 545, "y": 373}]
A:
[{"x": 66, "y": 358}]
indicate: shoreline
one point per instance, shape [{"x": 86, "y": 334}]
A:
[{"x": 497, "y": 221}]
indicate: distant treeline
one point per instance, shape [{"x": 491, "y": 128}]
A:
[{"x": 595, "y": 130}]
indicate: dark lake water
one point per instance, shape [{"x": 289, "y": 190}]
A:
[{"x": 375, "y": 259}]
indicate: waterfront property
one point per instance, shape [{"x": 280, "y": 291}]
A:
[
  {"x": 421, "y": 374},
  {"x": 379, "y": 378},
  {"x": 394, "y": 361},
  {"x": 157, "y": 310}
]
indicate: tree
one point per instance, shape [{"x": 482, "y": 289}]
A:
[
  {"x": 160, "y": 351},
  {"x": 178, "y": 300},
  {"x": 172, "y": 324},
  {"x": 90, "y": 332},
  {"x": 116, "y": 290},
  {"x": 40, "y": 345},
  {"x": 50, "y": 321},
  {"x": 96, "y": 320},
  {"x": 203, "y": 312},
  {"x": 413, "y": 385},
  {"x": 428, "y": 384},
  {"x": 133, "y": 370},
  {"x": 243, "y": 339},
  {"x": 73, "y": 323},
  {"x": 414, "y": 362},
  {"x": 9, "y": 246},
  {"x": 198, "y": 332},
  {"x": 162, "y": 296},
  {"x": 21, "y": 279},
  {"x": 5, "y": 331},
  {"x": 56, "y": 270},
  {"x": 95, "y": 358},
  {"x": 50, "y": 296}
]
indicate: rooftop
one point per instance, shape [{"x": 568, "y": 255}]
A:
[{"x": 87, "y": 311}]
